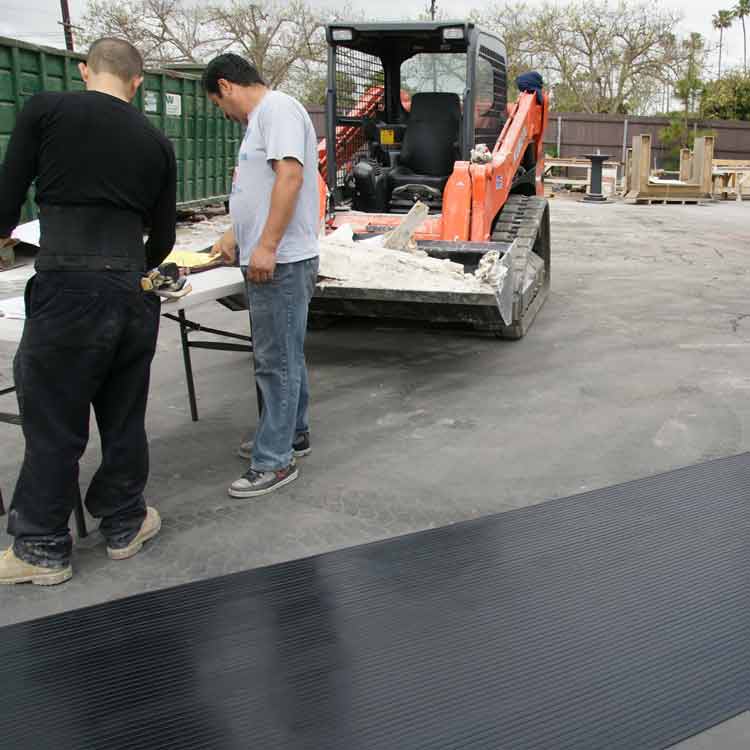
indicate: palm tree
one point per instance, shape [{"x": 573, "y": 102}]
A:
[
  {"x": 741, "y": 10},
  {"x": 722, "y": 20}
]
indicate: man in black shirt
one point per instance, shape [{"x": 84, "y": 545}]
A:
[{"x": 103, "y": 176}]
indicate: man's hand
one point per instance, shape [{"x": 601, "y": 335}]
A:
[
  {"x": 8, "y": 242},
  {"x": 262, "y": 265},
  {"x": 226, "y": 247}
]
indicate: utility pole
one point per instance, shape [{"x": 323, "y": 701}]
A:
[
  {"x": 433, "y": 10},
  {"x": 67, "y": 26}
]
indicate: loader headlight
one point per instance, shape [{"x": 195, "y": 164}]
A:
[
  {"x": 453, "y": 33},
  {"x": 342, "y": 35}
]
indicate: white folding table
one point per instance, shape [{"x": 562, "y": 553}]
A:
[{"x": 223, "y": 285}]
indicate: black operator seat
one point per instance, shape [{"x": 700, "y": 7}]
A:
[{"x": 431, "y": 142}]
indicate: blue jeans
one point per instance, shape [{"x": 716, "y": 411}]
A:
[{"x": 278, "y": 318}]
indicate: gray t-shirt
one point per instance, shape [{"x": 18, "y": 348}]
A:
[{"x": 278, "y": 128}]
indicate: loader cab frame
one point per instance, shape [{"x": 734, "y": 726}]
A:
[{"x": 405, "y": 101}]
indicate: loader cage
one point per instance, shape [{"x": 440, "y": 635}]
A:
[
  {"x": 371, "y": 80},
  {"x": 359, "y": 85}
]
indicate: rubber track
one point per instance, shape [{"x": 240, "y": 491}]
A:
[
  {"x": 615, "y": 619},
  {"x": 520, "y": 217}
]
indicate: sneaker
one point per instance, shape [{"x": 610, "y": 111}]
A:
[
  {"x": 15, "y": 570},
  {"x": 149, "y": 529},
  {"x": 300, "y": 446},
  {"x": 255, "y": 483}
]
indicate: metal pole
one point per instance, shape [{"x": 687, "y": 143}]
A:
[
  {"x": 433, "y": 8},
  {"x": 559, "y": 137},
  {"x": 331, "y": 123},
  {"x": 188, "y": 366},
  {"x": 595, "y": 194},
  {"x": 624, "y": 140},
  {"x": 67, "y": 26},
  {"x": 80, "y": 518}
]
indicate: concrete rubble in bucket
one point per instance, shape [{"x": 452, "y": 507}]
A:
[{"x": 366, "y": 263}]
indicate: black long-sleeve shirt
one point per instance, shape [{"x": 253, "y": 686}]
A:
[{"x": 89, "y": 149}]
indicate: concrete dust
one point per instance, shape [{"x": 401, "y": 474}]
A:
[{"x": 366, "y": 264}]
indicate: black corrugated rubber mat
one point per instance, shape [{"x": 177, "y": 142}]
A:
[{"x": 614, "y": 619}]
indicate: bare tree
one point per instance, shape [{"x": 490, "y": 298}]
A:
[
  {"x": 165, "y": 31},
  {"x": 512, "y": 21},
  {"x": 286, "y": 42},
  {"x": 279, "y": 39},
  {"x": 596, "y": 57}
]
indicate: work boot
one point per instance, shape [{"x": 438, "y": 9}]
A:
[
  {"x": 15, "y": 570},
  {"x": 300, "y": 446},
  {"x": 255, "y": 483},
  {"x": 149, "y": 529}
]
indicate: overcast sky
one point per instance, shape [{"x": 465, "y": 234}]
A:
[{"x": 37, "y": 20}]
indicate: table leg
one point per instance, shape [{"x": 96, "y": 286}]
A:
[
  {"x": 188, "y": 326},
  {"x": 80, "y": 518},
  {"x": 258, "y": 394},
  {"x": 9, "y": 419},
  {"x": 188, "y": 366}
]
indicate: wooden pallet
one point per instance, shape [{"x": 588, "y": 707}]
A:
[
  {"x": 657, "y": 201},
  {"x": 642, "y": 188}
]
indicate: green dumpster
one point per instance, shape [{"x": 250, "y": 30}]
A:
[{"x": 204, "y": 141}]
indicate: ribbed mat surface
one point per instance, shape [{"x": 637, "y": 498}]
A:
[{"x": 614, "y": 619}]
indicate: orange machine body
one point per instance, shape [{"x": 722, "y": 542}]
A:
[{"x": 475, "y": 193}]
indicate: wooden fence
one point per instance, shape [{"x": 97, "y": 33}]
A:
[{"x": 573, "y": 134}]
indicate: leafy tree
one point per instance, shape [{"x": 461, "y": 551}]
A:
[
  {"x": 741, "y": 11},
  {"x": 689, "y": 86},
  {"x": 721, "y": 21},
  {"x": 728, "y": 98},
  {"x": 677, "y": 136}
]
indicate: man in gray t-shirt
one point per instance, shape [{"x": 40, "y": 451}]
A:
[
  {"x": 279, "y": 128},
  {"x": 275, "y": 209}
]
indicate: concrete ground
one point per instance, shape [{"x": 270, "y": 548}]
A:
[{"x": 638, "y": 363}]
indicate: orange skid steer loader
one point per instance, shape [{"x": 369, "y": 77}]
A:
[{"x": 419, "y": 112}]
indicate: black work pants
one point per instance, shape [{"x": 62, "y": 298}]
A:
[{"x": 89, "y": 339}]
